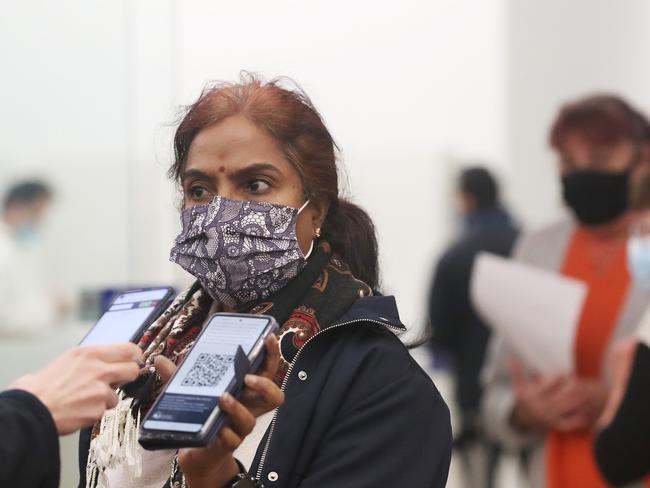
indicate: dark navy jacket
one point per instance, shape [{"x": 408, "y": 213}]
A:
[
  {"x": 359, "y": 412},
  {"x": 29, "y": 448},
  {"x": 458, "y": 331}
]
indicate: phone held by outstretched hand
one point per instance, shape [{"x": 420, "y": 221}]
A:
[
  {"x": 187, "y": 413},
  {"x": 129, "y": 315}
]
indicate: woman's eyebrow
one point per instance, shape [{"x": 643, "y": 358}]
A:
[
  {"x": 254, "y": 168},
  {"x": 194, "y": 173},
  {"x": 237, "y": 174}
]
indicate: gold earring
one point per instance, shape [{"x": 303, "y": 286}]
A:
[{"x": 317, "y": 232}]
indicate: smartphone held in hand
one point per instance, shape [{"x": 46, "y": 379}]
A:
[
  {"x": 186, "y": 413},
  {"x": 129, "y": 315}
]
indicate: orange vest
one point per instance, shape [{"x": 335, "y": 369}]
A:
[{"x": 603, "y": 266}]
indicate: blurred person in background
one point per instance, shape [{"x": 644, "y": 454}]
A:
[
  {"x": 623, "y": 445},
  {"x": 27, "y": 304},
  {"x": 458, "y": 333},
  {"x": 600, "y": 141}
]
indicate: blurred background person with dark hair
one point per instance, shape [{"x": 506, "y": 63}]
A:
[
  {"x": 623, "y": 445},
  {"x": 458, "y": 333},
  {"x": 27, "y": 304},
  {"x": 600, "y": 141}
]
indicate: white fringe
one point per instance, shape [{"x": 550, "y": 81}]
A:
[{"x": 116, "y": 444}]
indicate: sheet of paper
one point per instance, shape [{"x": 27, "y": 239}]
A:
[{"x": 535, "y": 310}]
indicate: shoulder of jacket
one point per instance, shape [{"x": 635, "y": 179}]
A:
[{"x": 380, "y": 351}]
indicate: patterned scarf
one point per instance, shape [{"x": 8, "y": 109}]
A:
[{"x": 313, "y": 301}]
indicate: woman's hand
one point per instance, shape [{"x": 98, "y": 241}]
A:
[
  {"x": 564, "y": 403},
  {"x": 78, "y": 386},
  {"x": 213, "y": 466}
]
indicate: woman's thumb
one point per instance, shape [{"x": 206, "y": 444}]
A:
[{"x": 165, "y": 367}]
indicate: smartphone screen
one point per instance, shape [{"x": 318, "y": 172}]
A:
[
  {"x": 204, "y": 375},
  {"x": 125, "y": 316}
]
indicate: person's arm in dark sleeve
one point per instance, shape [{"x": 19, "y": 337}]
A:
[
  {"x": 397, "y": 435},
  {"x": 84, "y": 447},
  {"x": 623, "y": 447},
  {"x": 445, "y": 330},
  {"x": 29, "y": 445}
]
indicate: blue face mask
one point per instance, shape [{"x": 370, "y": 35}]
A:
[
  {"x": 638, "y": 258},
  {"x": 27, "y": 234}
]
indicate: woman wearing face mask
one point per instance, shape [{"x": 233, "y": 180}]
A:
[
  {"x": 264, "y": 230},
  {"x": 623, "y": 445},
  {"x": 600, "y": 141}
]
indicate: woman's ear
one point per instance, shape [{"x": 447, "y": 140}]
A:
[{"x": 319, "y": 213}]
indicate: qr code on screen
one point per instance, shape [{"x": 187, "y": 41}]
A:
[{"x": 208, "y": 369}]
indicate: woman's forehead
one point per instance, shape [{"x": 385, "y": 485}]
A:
[{"x": 233, "y": 143}]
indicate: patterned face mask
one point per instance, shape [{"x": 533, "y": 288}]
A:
[{"x": 241, "y": 252}]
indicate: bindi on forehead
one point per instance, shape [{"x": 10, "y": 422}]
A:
[{"x": 222, "y": 169}]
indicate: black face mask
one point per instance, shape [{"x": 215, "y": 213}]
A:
[{"x": 596, "y": 197}]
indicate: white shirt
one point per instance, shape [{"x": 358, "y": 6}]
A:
[{"x": 26, "y": 305}]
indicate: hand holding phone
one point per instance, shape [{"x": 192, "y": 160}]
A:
[
  {"x": 194, "y": 405},
  {"x": 215, "y": 462},
  {"x": 215, "y": 465},
  {"x": 261, "y": 394},
  {"x": 78, "y": 386}
]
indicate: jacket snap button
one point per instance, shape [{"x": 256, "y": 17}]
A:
[
  {"x": 302, "y": 375},
  {"x": 273, "y": 476}
]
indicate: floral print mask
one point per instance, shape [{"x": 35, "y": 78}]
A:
[{"x": 240, "y": 251}]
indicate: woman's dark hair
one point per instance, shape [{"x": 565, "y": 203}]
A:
[
  {"x": 293, "y": 121},
  {"x": 481, "y": 185},
  {"x": 600, "y": 119}
]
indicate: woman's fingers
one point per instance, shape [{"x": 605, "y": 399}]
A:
[
  {"x": 111, "y": 398},
  {"x": 261, "y": 394},
  {"x": 242, "y": 420},
  {"x": 229, "y": 440},
  {"x": 272, "y": 360},
  {"x": 266, "y": 389},
  {"x": 119, "y": 373},
  {"x": 165, "y": 367},
  {"x": 571, "y": 422},
  {"x": 114, "y": 353}
]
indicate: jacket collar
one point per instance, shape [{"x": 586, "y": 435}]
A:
[
  {"x": 376, "y": 308},
  {"x": 487, "y": 217}
]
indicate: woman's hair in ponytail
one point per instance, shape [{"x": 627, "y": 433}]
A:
[
  {"x": 350, "y": 231},
  {"x": 287, "y": 113}
]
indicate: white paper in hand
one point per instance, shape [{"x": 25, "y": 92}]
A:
[{"x": 535, "y": 310}]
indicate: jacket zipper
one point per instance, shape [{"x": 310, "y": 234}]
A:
[{"x": 288, "y": 374}]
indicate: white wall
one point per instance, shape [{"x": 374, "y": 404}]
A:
[
  {"x": 92, "y": 88},
  {"x": 63, "y": 117}
]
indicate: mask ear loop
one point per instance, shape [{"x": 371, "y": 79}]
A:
[
  {"x": 311, "y": 248},
  {"x": 304, "y": 205},
  {"x": 311, "y": 245}
]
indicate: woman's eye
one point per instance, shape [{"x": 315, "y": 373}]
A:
[
  {"x": 258, "y": 186},
  {"x": 197, "y": 192}
]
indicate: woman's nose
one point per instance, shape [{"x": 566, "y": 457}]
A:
[{"x": 228, "y": 191}]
